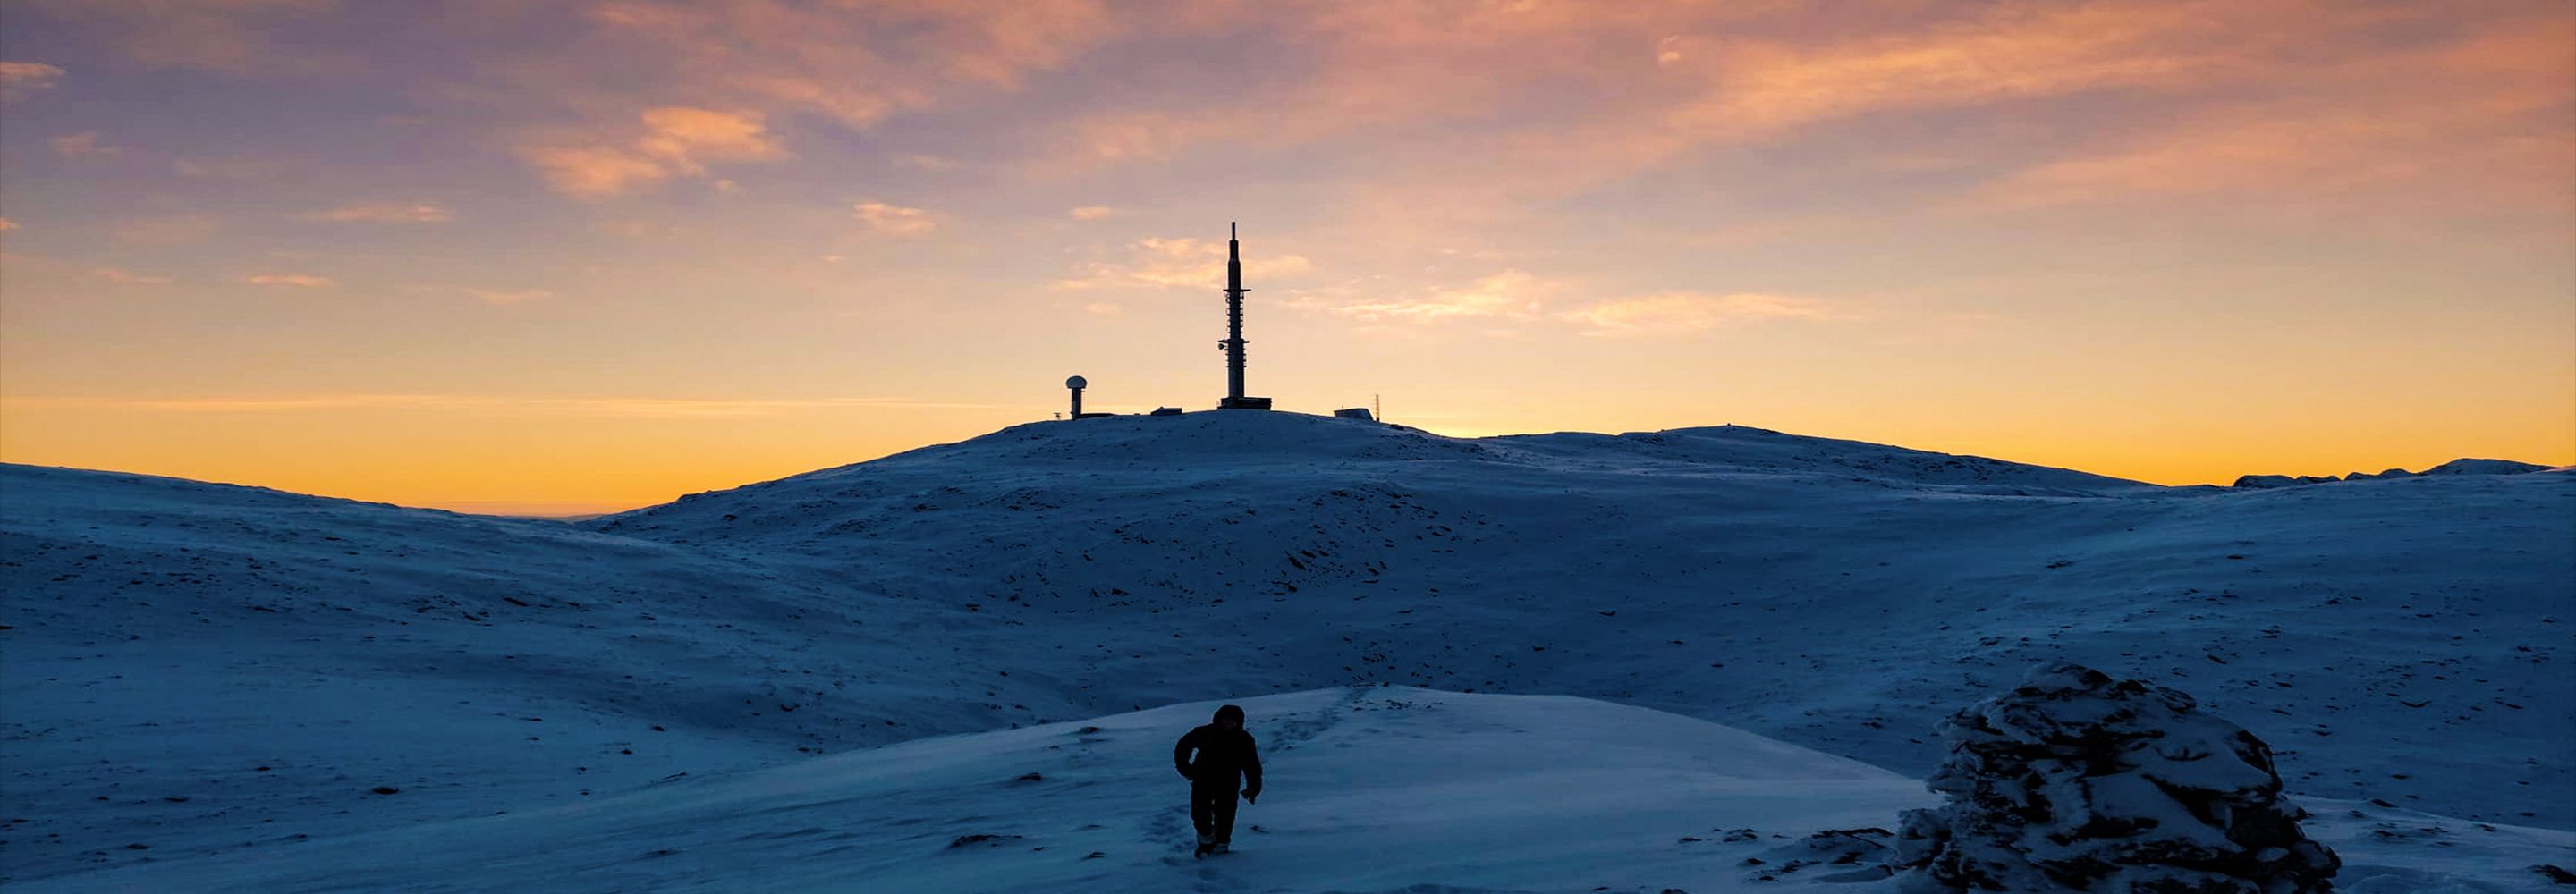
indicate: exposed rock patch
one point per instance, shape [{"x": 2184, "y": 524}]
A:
[{"x": 2076, "y": 781}]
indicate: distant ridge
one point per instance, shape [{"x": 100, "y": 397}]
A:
[{"x": 2463, "y": 466}]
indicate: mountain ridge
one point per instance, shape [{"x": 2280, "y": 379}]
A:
[{"x": 1836, "y": 596}]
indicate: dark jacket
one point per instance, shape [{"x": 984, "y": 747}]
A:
[{"x": 1223, "y": 755}]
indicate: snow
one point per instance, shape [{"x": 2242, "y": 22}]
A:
[
  {"x": 2462, "y": 466},
  {"x": 2467, "y": 466},
  {"x": 2400, "y": 640},
  {"x": 1373, "y": 789}
]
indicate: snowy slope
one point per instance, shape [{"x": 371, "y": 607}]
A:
[
  {"x": 166, "y": 640},
  {"x": 1836, "y": 594},
  {"x": 177, "y": 655},
  {"x": 1369, "y": 789}
]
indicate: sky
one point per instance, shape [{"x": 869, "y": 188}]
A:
[{"x": 576, "y": 257}]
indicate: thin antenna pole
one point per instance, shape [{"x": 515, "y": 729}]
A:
[{"x": 1234, "y": 342}]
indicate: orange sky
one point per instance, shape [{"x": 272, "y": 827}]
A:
[{"x": 558, "y": 258}]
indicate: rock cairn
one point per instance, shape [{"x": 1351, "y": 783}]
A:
[{"x": 2074, "y": 781}]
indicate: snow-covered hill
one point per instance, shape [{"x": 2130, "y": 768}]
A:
[
  {"x": 1371, "y": 789},
  {"x": 175, "y": 655},
  {"x": 1832, "y": 593},
  {"x": 190, "y": 667}
]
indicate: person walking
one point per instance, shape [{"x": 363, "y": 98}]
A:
[{"x": 1224, "y": 756}]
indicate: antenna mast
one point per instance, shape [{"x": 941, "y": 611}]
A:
[{"x": 1234, "y": 342}]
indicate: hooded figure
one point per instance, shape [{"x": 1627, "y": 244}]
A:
[{"x": 1225, "y": 757}]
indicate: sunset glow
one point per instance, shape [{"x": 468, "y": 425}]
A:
[{"x": 561, "y": 258}]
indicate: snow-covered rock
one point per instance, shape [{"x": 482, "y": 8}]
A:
[
  {"x": 2076, "y": 781},
  {"x": 2267, "y": 481},
  {"x": 2467, "y": 466},
  {"x": 2455, "y": 467}
]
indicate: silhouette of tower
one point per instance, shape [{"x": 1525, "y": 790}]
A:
[{"x": 1234, "y": 341}]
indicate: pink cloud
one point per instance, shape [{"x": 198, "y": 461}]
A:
[
  {"x": 857, "y": 62},
  {"x": 674, "y": 141},
  {"x": 1159, "y": 263},
  {"x": 1685, "y": 312},
  {"x": 2466, "y": 123},
  {"x": 166, "y": 229},
  {"x": 230, "y": 168},
  {"x": 594, "y": 172},
  {"x": 229, "y": 36},
  {"x": 82, "y": 145},
  {"x": 510, "y": 296},
  {"x": 21, "y": 78},
  {"x": 384, "y": 212},
  {"x": 1508, "y": 295},
  {"x": 298, "y": 280},
  {"x": 686, "y": 139},
  {"x": 114, "y": 275},
  {"x": 2287, "y": 97},
  {"x": 894, "y": 220}
]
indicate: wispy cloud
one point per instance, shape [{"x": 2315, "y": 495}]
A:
[
  {"x": 229, "y": 36},
  {"x": 1102, "y": 308},
  {"x": 686, "y": 139},
  {"x": 2476, "y": 122},
  {"x": 858, "y": 63},
  {"x": 1510, "y": 294},
  {"x": 82, "y": 145},
  {"x": 1512, "y": 301},
  {"x": 1674, "y": 313},
  {"x": 112, "y": 274},
  {"x": 674, "y": 141},
  {"x": 895, "y": 220},
  {"x": 165, "y": 229},
  {"x": 229, "y": 168},
  {"x": 2300, "y": 99},
  {"x": 922, "y": 162},
  {"x": 510, "y": 296},
  {"x": 21, "y": 78},
  {"x": 7, "y": 224},
  {"x": 298, "y": 280},
  {"x": 1159, "y": 263},
  {"x": 1759, "y": 88},
  {"x": 1093, "y": 212},
  {"x": 384, "y": 212},
  {"x": 594, "y": 172}
]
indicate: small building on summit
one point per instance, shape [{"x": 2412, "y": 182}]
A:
[{"x": 1075, "y": 385}]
